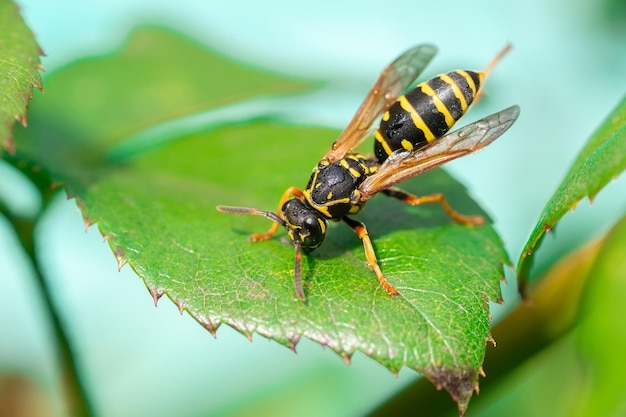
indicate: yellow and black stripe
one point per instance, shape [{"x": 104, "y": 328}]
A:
[{"x": 427, "y": 112}]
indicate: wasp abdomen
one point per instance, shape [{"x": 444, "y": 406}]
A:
[{"x": 426, "y": 113}]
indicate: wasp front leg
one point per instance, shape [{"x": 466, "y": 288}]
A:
[
  {"x": 291, "y": 191},
  {"x": 361, "y": 231},
  {"x": 434, "y": 198}
]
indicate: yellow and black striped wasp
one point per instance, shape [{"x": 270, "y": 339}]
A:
[{"x": 410, "y": 140}]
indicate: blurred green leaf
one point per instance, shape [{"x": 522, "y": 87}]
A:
[
  {"x": 157, "y": 211},
  {"x": 546, "y": 384},
  {"x": 155, "y": 77},
  {"x": 572, "y": 345},
  {"x": 602, "y": 158},
  {"x": 19, "y": 70},
  {"x": 602, "y": 331}
]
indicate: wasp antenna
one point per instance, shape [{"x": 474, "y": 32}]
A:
[
  {"x": 241, "y": 210},
  {"x": 247, "y": 210},
  {"x": 494, "y": 61},
  {"x": 297, "y": 280}
]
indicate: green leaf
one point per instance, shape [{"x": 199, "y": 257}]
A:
[
  {"x": 19, "y": 70},
  {"x": 602, "y": 158},
  {"x": 158, "y": 212}
]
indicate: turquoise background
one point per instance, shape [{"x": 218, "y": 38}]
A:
[{"x": 567, "y": 71}]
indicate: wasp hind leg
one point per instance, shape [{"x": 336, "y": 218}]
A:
[
  {"x": 361, "y": 231},
  {"x": 258, "y": 237},
  {"x": 414, "y": 200}
]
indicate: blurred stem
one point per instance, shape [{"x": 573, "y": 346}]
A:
[{"x": 76, "y": 399}]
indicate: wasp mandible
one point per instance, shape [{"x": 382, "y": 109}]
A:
[{"x": 411, "y": 139}]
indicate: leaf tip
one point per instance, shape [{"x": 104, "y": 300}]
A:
[
  {"x": 208, "y": 325},
  {"x": 156, "y": 294},
  {"x": 293, "y": 342},
  {"x": 522, "y": 289},
  {"x": 21, "y": 118},
  {"x": 87, "y": 222},
  {"x": 460, "y": 383},
  {"x": 181, "y": 306},
  {"x": 121, "y": 257}
]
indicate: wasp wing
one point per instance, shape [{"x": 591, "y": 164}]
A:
[
  {"x": 401, "y": 166},
  {"x": 394, "y": 79}
]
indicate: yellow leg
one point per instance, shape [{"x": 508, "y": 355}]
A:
[
  {"x": 361, "y": 231},
  {"x": 291, "y": 191},
  {"x": 435, "y": 198}
]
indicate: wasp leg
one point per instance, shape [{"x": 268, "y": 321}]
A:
[
  {"x": 257, "y": 237},
  {"x": 298, "y": 267},
  {"x": 434, "y": 198},
  {"x": 361, "y": 231}
]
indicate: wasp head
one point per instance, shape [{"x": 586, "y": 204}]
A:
[{"x": 304, "y": 223}]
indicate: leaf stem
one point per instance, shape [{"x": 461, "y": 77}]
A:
[{"x": 74, "y": 392}]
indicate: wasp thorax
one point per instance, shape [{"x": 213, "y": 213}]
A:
[{"x": 305, "y": 222}]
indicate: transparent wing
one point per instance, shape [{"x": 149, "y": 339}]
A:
[
  {"x": 401, "y": 166},
  {"x": 394, "y": 79}
]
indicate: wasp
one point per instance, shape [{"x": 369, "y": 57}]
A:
[{"x": 411, "y": 139}]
